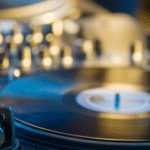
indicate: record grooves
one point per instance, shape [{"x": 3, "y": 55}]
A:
[{"x": 82, "y": 108}]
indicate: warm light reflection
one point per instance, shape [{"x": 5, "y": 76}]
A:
[
  {"x": 26, "y": 63},
  {"x": 17, "y": 73},
  {"x": 54, "y": 50},
  {"x": 5, "y": 63},
  {"x": 26, "y": 57},
  {"x": 116, "y": 59},
  {"x": 37, "y": 37},
  {"x": 88, "y": 48},
  {"x": 1, "y": 38},
  {"x": 137, "y": 56},
  {"x": 48, "y": 18},
  {"x": 71, "y": 27},
  {"x": 120, "y": 116},
  {"x": 67, "y": 61},
  {"x": 49, "y": 37},
  {"x": 47, "y": 62},
  {"x": 121, "y": 87},
  {"x": 18, "y": 38},
  {"x": 57, "y": 28}
]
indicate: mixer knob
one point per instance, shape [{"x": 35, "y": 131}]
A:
[
  {"x": 4, "y": 59},
  {"x": 57, "y": 28},
  {"x": 37, "y": 36},
  {"x": 80, "y": 34},
  {"x": 131, "y": 54},
  {"x": 88, "y": 48},
  {"x": 136, "y": 52},
  {"x": 78, "y": 52},
  {"x": 18, "y": 38},
  {"x": 14, "y": 40},
  {"x": 54, "y": 45},
  {"x": 1, "y": 39},
  {"x": 26, "y": 58},
  {"x": 67, "y": 60},
  {"x": 13, "y": 74},
  {"x": 2, "y": 54},
  {"x": 49, "y": 37},
  {"x": 7, "y": 42},
  {"x": 97, "y": 47},
  {"x": 46, "y": 60},
  {"x": 80, "y": 55},
  {"x": 71, "y": 30}
]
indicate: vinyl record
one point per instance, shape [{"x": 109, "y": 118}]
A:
[{"x": 82, "y": 108}]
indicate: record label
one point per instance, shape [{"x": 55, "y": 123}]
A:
[{"x": 114, "y": 101}]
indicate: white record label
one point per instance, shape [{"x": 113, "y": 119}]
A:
[{"x": 109, "y": 100}]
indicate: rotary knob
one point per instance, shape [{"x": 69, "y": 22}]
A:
[{"x": 4, "y": 59}]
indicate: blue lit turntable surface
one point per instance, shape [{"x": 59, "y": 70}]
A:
[
  {"x": 38, "y": 86},
  {"x": 91, "y": 103}
]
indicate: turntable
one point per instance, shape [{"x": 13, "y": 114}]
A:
[
  {"x": 81, "y": 108},
  {"x": 65, "y": 86}
]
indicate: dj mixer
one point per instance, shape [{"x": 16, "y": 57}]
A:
[{"x": 73, "y": 75}]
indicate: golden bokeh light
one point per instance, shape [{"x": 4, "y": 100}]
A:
[
  {"x": 18, "y": 38},
  {"x": 54, "y": 50},
  {"x": 48, "y": 18},
  {"x": 49, "y": 37},
  {"x": 26, "y": 57},
  {"x": 17, "y": 73},
  {"x": 57, "y": 28},
  {"x": 47, "y": 62},
  {"x": 26, "y": 63},
  {"x": 37, "y": 37},
  {"x": 137, "y": 56},
  {"x": 5, "y": 63},
  {"x": 138, "y": 51},
  {"x": 67, "y": 61},
  {"x": 71, "y": 27},
  {"x": 88, "y": 48},
  {"x": 1, "y": 38}
]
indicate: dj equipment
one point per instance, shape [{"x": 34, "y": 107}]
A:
[{"x": 72, "y": 76}]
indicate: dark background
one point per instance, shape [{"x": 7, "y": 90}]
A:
[{"x": 127, "y": 6}]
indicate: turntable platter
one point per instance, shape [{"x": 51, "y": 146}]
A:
[{"x": 96, "y": 105}]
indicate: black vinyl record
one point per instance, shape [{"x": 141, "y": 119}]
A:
[{"x": 82, "y": 108}]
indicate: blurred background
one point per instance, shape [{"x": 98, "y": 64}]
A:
[{"x": 140, "y": 9}]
